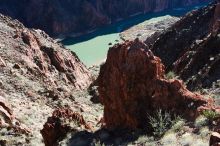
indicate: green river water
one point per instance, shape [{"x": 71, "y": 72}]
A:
[{"x": 92, "y": 48}]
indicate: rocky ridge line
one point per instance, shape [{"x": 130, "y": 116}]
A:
[
  {"x": 194, "y": 56},
  {"x": 37, "y": 76}
]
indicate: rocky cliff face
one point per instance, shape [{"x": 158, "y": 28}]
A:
[
  {"x": 77, "y": 16},
  {"x": 192, "y": 51},
  {"x": 42, "y": 56},
  {"x": 132, "y": 85},
  {"x": 37, "y": 74}
]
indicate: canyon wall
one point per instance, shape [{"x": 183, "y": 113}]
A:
[
  {"x": 79, "y": 16},
  {"x": 194, "y": 56},
  {"x": 36, "y": 72}
]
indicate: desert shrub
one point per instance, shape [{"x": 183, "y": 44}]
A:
[
  {"x": 216, "y": 97},
  {"x": 186, "y": 139},
  {"x": 171, "y": 75},
  {"x": 169, "y": 139},
  {"x": 161, "y": 122},
  {"x": 201, "y": 121},
  {"x": 178, "y": 125},
  {"x": 210, "y": 115},
  {"x": 98, "y": 143},
  {"x": 142, "y": 139},
  {"x": 204, "y": 132},
  {"x": 200, "y": 142}
]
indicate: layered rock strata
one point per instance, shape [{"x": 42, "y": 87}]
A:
[{"x": 190, "y": 51}]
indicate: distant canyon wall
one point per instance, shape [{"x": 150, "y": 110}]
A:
[{"x": 58, "y": 17}]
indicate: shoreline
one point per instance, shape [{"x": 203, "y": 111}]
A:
[{"x": 73, "y": 35}]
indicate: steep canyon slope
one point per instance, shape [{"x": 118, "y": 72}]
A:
[
  {"x": 40, "y": 80},
  {"x": 37, "y": 75},
  {"x": 190, "y": 47},
  {"x": 79, "y": 16},
  {"x": 132, "y": 82}
]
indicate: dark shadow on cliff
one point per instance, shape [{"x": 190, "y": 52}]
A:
[
  {"x": 103, "y": 136},
  {"x": 127, "y": 23}
]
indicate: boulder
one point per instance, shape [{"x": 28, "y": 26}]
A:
[
  {"x": 58, "y": 125},
  {"x": 214, "y": 139}
]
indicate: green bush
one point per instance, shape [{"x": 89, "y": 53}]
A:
[
  {"x": 210, "y": 115},
  {"x": 99, "y": 143},
  {"x": 162, "y": 122},
  {"x": 201, "y": 121},
  {"x": 171, "y": 75},
  {"x": 178, "y": 125}
]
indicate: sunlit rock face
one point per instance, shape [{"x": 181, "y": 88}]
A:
[
  {"x": 36, "y": 72},
  {"x": 62, "y": 17},
  {"x": 42, "y": 56},
  {"x": 132, "y": 85}
]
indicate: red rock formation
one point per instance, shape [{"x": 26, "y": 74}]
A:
[
  {"x": 215, "y": 136},
  {"x": 34, "y": 69},
  {"x": 132, "y": 85},
  {"x": 214, "y": 139},
  {"x": 64, "y": 61},
  {"x": 58, "y": 126},
  {"x": 7, "y": 119},
  {"x": 6, "y": 113},
  {"x": 41, "y": 55}
]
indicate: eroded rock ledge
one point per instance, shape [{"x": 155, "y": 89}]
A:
[{"x": 132, "y": 84}]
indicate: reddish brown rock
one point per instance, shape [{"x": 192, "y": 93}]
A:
[
  {"x": 7, "y": 119},
  {"x": 41, "y": 56},
  {"x": 58, "y": 126},
  {"x": 132, "y": 85},
  {"x": 214, "y": 139},
  {"x": 63, "y": 60},
  {"x": 215, "y": 136},
  {"x": 5, "y": 112}
]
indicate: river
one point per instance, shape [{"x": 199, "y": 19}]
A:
[{"x": 92, "y": 48}]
